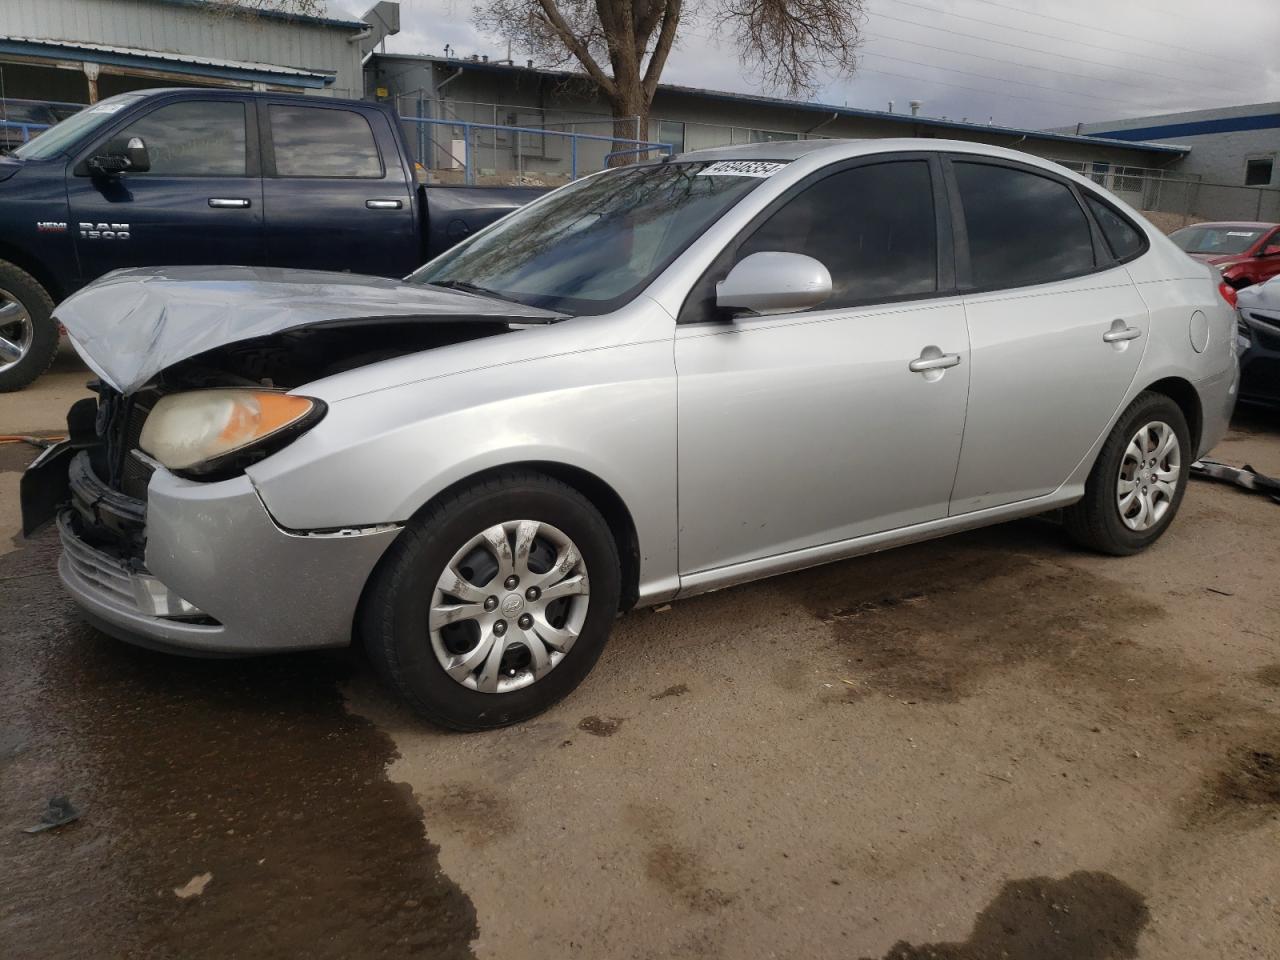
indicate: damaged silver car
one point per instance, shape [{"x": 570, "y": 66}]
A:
[{"x": 656, "y": 381}]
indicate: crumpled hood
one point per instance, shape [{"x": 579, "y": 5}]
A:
[{"x": 132, "y": 324}]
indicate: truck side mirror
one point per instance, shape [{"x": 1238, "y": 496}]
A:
[{"x": 119, "y": 156}]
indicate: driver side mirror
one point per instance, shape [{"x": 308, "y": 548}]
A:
[
  {"x": 120, "y": 155},
  {"x": 774, "y": 282}
]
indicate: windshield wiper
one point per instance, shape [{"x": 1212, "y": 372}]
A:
[{"x": 466, "y": 287}]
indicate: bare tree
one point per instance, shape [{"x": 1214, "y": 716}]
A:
[{"x": 623, "y": 45}]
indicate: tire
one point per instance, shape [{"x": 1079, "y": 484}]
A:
[
  {"x": 1098, "y": 521},
  {"x": 38, "y": 347},
  {"x": 395, "y": 617}
]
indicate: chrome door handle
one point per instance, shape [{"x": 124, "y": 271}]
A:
[
  {"x": 1119, "y": 332},
  {"x": 227, "y": 202},
  {"x": 941, "y": 361},
  {"x": 383, "y": 204}
]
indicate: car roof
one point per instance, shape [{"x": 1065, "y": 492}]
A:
[{"x": 1247, "y": 224}]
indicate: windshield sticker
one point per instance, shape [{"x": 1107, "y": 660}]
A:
[
  {"x": 742, "y": 168},
  {"x": 107, "y": 108},
  {"x": 1239, "y": 233}
]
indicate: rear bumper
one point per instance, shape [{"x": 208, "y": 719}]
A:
[{"x": 221, "y": 577}]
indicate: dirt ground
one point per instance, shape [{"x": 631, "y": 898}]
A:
[{"x": 990, "y": 746}]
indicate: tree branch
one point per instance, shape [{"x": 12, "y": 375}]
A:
[{"x": 554, "y": 19}]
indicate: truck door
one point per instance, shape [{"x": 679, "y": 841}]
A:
[
  {"x": 201, "y": 201},
  {"x": 336, "y": 192}
]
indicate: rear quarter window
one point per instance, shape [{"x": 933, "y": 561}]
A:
[{"x": 1124, "y": 239}]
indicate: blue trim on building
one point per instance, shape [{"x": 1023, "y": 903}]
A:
[
  {"x": 69, "y": 51},
  {"x": 1195, "y": 128}
]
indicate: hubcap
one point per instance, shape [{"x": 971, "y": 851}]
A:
[
  {"x": 1149, "y": 474},
  {"x": 16, "y": 330},
  {"x": 509, "y": 606}
]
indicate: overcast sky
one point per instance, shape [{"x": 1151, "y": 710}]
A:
[{"x": 1034, "y": 63}]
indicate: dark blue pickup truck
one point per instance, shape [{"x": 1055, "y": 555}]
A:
[{"x": 163, "y": 177}]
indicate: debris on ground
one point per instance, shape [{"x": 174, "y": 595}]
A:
[
  {"x": 58, "y": 813},
  {"x": 1246, "y": 476},
  {"x": 193, "y": 887}
]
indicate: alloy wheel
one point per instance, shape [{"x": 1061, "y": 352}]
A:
[
  {"x": 1149, "y": 474},
  {"x": 16, "y": 331}
]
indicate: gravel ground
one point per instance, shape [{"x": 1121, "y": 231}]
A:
[{"x": 987, "y": 746}]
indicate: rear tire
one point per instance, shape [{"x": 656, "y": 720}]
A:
[
  {"x": 28, "y": 334},
  {"x": 1137, "y": 483},
  {"x": 429, "y": 618}
]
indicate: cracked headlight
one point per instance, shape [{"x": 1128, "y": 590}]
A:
[{"x": 211, "y": 434}]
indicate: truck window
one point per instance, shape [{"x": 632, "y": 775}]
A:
[
  {"x": 323, "y": 142},
  {"x": 193, "y": 138}
]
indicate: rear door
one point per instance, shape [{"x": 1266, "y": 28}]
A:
[
  {"x": 201, "y": 201},
  {"x": 336, "y": 192},
  {"x": 1056, "y": 329}
]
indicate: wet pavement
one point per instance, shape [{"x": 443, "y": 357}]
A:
[{"x": 992, "y": 746}]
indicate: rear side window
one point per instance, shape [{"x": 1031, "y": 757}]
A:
[
  {"x": 1123, "y": 238},
  {"x": 193, "y": 139},
  {"x": 323, "y": 142},
  {"x": 872, "y": 227},
  {"x": 1022, "y": 228}
]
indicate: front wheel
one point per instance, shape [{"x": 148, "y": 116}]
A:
[
  {"x": 1137, "y": 483},
  {"x": 495, "y": 602},
  {"x": 28, "y": 333}
]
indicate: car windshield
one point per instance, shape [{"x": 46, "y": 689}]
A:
[
  {"x": 1224, "y": 240},
  {"x": 63, "y": 135},
  {"x": 592, "y": 246}
]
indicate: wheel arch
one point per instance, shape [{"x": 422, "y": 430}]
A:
[
  {"x": 34, "y": 266},
  {"x": 1181, "y": 392}
]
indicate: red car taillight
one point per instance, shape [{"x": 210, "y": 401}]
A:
[{"x": 1228, "y": 293}]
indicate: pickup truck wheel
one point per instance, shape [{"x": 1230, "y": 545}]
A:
[
  {"x": 28, "y": 335},
  {"x": 495, "y": 601},
  {"x": 1137, "y": 483}
]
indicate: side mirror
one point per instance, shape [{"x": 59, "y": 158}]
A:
[
  {"x": 774, "y": 282},
  {"x": 120, "y": 155},
  {"x": 1270, "y": 250}
]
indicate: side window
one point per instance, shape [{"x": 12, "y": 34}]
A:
[
  {"x": 1023, "y": 228},
  {"x": 872, "y": 227},
  {"x": 193, "y": 139},
  {"x": 323, "y": 142},
  {"x": 1124, "y": 239}
]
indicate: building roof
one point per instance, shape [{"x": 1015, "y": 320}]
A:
[
  {"x": 819, "y": 108},
  {"x": 171, "y": 62},
  {"x": 266, "y": 13}
]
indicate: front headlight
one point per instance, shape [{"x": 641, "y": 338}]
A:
[{"x": 207, "y": 432}]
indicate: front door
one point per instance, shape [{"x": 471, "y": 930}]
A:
[
  {"x": 812, "y": 427},
  {"x": 1057, "y": 330},
  {"x": 337, "y": 196},
  {"x": 200, "y": 203}
]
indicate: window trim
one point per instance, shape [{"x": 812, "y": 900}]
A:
[
  {"x": 1103, "y": 259},
  {"x": 252, "y": 152},
  {"x": 691, "y": 313},
  {"x": 267, "y": 134},
  {"x": 1086, "y": 194}
]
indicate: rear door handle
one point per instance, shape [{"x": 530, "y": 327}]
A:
[
  {"x": 1120, "y": 332},
  {"x": 931, "y": 360},
  {"x": 383, "y": 204},
  {"x": 222, "y": 203}
]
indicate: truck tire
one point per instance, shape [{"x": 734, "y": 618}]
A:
[{"x": 28, "y": 334}]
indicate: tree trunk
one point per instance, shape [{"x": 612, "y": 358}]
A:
[{"x": 630, "y": 122}]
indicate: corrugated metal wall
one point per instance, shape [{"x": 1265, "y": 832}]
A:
[{"x": 189, "y": 29}]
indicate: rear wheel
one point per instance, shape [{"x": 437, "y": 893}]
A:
[
  {"x": 28, "y": 334},
  {"x": 495, "y": 602},
  {"x": 1137, "y": 483}
]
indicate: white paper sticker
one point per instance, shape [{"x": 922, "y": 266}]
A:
[
  {"x": 742, "y": 168},
  {"x": 1239, "y": 233},
  {"x": 107, "y": 108}
]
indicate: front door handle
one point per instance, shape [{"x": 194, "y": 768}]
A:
[
  {"x": 1120, "y": 332},
  {"x": 933, "y": 359},
  {"x": 383, "y": 204},
  {"x": 223, "y": 203}
]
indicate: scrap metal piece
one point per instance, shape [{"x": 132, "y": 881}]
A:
[
  {"x": 58, "y": 813},
  {"x": 1246, "y": 477}
]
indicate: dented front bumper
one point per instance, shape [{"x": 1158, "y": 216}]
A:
[{"x": 219, "y": 576}]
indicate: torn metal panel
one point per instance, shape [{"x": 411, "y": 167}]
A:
[{"x": 1246, "y": 477}]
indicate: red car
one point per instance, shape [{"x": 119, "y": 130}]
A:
[{"x": 1246, "y": 253}]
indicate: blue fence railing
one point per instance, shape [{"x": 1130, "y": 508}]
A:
[
  {"x": 28, "y": 130},
  {"x": 428, "y": 145}
]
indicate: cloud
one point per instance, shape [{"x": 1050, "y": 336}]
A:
[{"x": 1037, "y": 63}]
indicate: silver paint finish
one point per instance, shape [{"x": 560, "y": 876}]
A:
[
  {"x": 774, "y": 282},
  {"x": 739, "y": 449},
  {"x": 16, "y": 330}
]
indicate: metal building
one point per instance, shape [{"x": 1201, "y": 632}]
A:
[{"x": 79, "y": 51}]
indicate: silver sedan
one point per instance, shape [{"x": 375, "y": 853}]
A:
[{"x": 654, "y": 382}]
